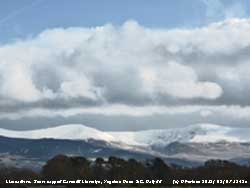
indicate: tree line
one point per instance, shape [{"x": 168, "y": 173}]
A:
[{"x": 114, "y": 168}]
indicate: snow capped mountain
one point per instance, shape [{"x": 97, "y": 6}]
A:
[
  {"x": 71, "y": 132},
  {"x": 200, "y": 133},
  {"x": 194, "y": 133},
  {"x": 216, "y": 133},
  {"x": 191, "y": 145}
]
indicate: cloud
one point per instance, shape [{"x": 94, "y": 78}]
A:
[
  {"x": 17, "y": 84},
  {"x": 178, "y": 81},
  {"x": 89, "y": 63},
  {"x": 227, "y": 113},
  {"x": 62, "y": 70}
]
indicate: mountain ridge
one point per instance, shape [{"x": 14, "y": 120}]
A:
[
  {"x": 200, "y": 133},
  {"x": 182, "y": 146}
]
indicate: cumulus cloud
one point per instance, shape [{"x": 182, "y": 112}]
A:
[
  {"x": 178, "y": 81},
  {"x": 81, "y": 70},
  {"x": 17, "y": 84},
  {"x": 76, "y": 56}
]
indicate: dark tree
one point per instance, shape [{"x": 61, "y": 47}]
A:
[{"x": 68, "y": 168}]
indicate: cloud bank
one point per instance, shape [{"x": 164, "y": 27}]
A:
[{"x": 127, "y": 70}]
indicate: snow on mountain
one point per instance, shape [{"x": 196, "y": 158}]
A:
[
  {"x": 216, "y": 133},
  {"x": 194, "y": 133},
  {"x": 71, "y": 132}
]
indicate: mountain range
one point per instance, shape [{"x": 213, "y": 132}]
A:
[{"x": 190, "y": 146}]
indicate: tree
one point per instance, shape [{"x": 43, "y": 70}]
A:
[{"x": 70, "y": 168}]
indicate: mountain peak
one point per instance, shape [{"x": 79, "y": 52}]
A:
[{"x": 70, "y": 131}]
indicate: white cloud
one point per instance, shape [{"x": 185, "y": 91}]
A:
[
  {"x": 178, "y": 81},
  {"x": 206, "y": 113},
  {"x": 17, "y": 84},
  {"x": 228, "y": 113},
  {"x": 108, "y": 110},
  {"x": 235, "y": 78},
  {"x": 124, "y": 63}
]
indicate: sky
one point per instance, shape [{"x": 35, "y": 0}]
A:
[{"x": 124, "y": 65}]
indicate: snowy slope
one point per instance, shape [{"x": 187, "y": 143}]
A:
[
  {"x": 71, "y": 132},
  {"x": 196, "y": 133}
]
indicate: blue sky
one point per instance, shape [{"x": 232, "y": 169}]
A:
[{"x": 19, "y": 19}]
